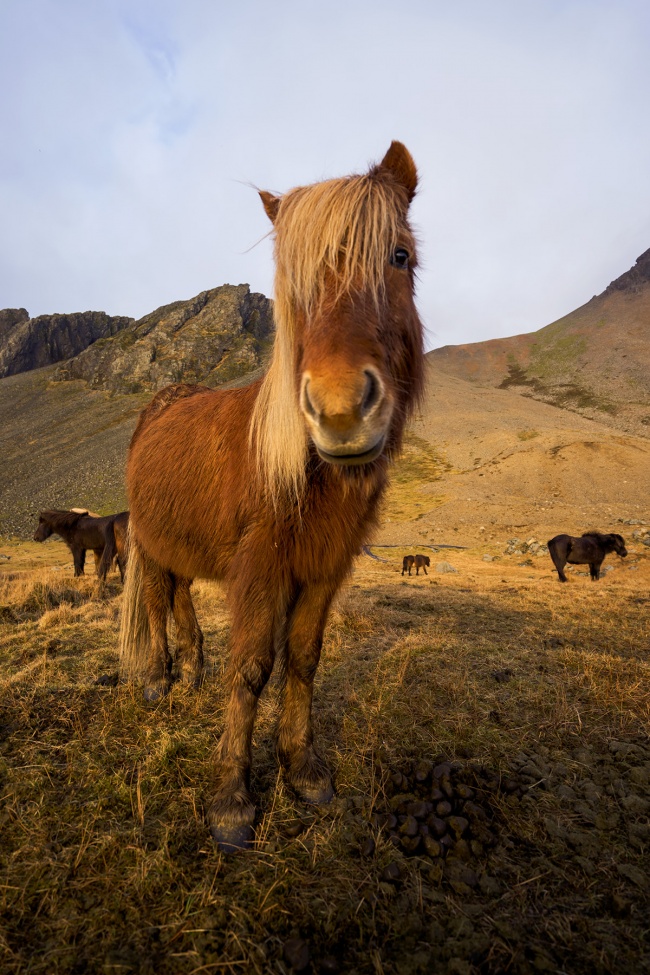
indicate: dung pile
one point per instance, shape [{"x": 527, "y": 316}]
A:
[{"x": 446, "y": 814}]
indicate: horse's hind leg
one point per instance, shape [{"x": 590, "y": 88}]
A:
[
  {"x": 188, "y": 633},
  {"x": 305, "y": 770},
  {"x": 232, "y": 813},
  {"x": 157, "y": 594}
]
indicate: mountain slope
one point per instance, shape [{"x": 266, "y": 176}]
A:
[{"x": 593, "y": 361}]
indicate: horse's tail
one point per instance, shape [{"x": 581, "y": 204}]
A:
[
  {"x": 134, "y": 624},
  {"x": 109, "y": 553}
]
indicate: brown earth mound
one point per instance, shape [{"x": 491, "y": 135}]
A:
[{"x": 594, "y": 361}]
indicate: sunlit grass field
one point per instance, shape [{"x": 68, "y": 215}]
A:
[{"x": 106, "y": 863}]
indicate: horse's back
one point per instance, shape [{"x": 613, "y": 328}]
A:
[
  {"x": 560, "y": 542},
  {"x": 188, "y": 477}
]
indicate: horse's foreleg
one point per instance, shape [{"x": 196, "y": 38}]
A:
[
  {"x": 594, "y": 570},
  {"x": 98, "y": 552},
  {"x": 79, "y": 559},
  {"x": 232, "y": 812},
  {"x": 305, "y": 770},
  {"x": 559, "y": 564},
  {"x": 157, "y": 594},
  {"x": 188, "y": 633}
]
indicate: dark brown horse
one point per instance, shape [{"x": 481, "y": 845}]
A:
[
  {"x": 408, "y": 563},
  {"x": 590, "y": 549},
  {"x": 116, "y": 548},
  {"x": 80, "y": 531},
  {"x": 421, "y": 562},
  {"x": 274, "y": 487}
]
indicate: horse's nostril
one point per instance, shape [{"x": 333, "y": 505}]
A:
[
  {"x": 306, "y": 403},
  {"x": 371, "y": 394}
]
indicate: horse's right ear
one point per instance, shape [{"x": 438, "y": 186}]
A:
[
  {"x": 399, "y": 162},
  {"x": 271, "y": 204}
]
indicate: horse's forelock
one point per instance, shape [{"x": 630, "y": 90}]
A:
[{"x": 340, "y": 230}]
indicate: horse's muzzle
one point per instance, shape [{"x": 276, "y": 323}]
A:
[{"x": 353, "y": 460}]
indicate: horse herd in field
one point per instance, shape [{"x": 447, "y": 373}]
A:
[
  {"x": 274, "y": 487},
  {"x": 106, "y": 536}
]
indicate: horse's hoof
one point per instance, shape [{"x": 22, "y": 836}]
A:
[
  {"x": 315, "y": 795},
  {"x": 155, "y": 692},
  {"x": 232, "y": 839}
]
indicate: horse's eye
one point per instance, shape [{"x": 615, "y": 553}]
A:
[{"x": 400, "y": 258}]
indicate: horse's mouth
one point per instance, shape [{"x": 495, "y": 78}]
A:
[{"x": 353, "y": 460}]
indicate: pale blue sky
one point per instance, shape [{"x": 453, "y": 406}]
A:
[{"x": 132, "y": 130}]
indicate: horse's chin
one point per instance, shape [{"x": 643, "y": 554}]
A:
[{"x": 353, "y": 460}]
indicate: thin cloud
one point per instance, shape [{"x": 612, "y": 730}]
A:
[{"x": 129, "y": 129}]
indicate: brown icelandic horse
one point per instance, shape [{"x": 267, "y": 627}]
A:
[
  {"x": 275, "y": 487},
  {"x": 80, "y": 531},
  {"x": 421, "y": 562},
  {"x": 590, "y": 549},
  {"x": 408, "y": 563}
]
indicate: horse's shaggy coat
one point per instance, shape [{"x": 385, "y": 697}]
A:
[{"x": 274, "y": 487}]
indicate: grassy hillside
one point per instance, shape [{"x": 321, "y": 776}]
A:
[
  {"x": 63, "y": 446},
  {"x": 593, "y": 361}
]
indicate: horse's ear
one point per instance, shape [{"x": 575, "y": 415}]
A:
[
  {"x": 399, "y": 161},
  {"x": 271, "y": 204}
]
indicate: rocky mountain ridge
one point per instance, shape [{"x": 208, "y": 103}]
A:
[
  {"x": 217, "y": 336},
  {"x": 31, "y": 343}
]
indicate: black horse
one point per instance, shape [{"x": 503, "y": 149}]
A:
[
  {"x": 82, "y": 531},
  {"x": 590, "y": 549}
]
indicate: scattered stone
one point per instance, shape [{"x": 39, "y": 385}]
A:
[
  {"x": 294, "y": 828},
  {"x": 445, "y": 567},
  {"x": 392, "y": 873},
  {"x": 107, "y": 680},
  {"x": 502, "y": 676},
  {"x": 296, "y": 954}
]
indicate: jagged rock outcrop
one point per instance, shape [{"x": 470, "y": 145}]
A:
[
  {"x": 29, "y": 343},
  {"x": 634, "y": 280},
  {"x": 9, "y": 318},
  {"x": 217, "y": 336}
]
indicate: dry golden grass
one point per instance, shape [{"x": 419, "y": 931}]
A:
[{"x": 106, "y": 863}]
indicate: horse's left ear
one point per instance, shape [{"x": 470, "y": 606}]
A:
[
  {"x": 399, "y": 161},
  {"x": 271, "y": 204}
]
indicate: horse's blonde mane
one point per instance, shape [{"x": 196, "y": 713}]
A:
[{"x": 337, "y": 232}]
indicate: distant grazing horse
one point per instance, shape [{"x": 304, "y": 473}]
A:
[
  {"x": 80, "y": 531},
  {"x": 274, "y": 487},
  {"x": 408, "y": 563},
  {"x": 591, "y": 548},
  {"x": 421, "y": 562}
]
